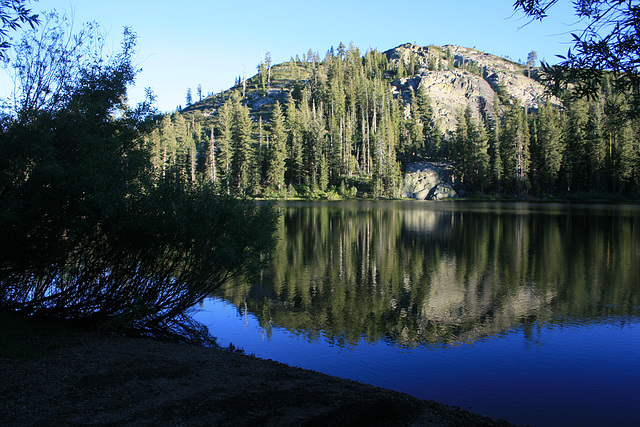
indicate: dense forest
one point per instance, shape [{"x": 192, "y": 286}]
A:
[{"x": 334, "y": 128}]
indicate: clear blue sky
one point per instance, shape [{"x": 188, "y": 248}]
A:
[{"x": 185, "y": 43}]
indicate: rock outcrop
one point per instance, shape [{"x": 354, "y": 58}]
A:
[
  {"x": 428, "y": 181},
  {"x": 456, "y": 76}
]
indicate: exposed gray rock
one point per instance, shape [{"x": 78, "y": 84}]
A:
[
  {"x": 475, "y": 79},
  {"x": 450, "y": 92},
  {"x": 428, "y": 181}
]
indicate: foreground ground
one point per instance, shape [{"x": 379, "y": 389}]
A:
[{"x": 78, "y": 378}]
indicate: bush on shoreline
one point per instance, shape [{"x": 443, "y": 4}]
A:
[{"x": 90, "y": 234}]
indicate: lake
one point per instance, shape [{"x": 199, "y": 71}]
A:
[{"x": 522, "y": 311}]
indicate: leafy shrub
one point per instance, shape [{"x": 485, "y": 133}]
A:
[{"x": 89, "y": 234}]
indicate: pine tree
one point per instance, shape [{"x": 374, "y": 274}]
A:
[
  {"x": 154, "y": 146},
  {"x": 515, "y": 150},
  {"x": 262, "y": 76},
  {"x": 495, "y": 157},
  {"x": 431, "y": 131},
  {"x": 596, "y": 146},
  {"x": 277, "y": 150},
  {"x": 185, "y": 159},
  {"x": 532, "y": 57},
  {"x": 211, "y": 170},
  {"x": 547, "y": 150},
  {"x": 472, "y": 159},
  {"x": 577, "y": 163},
  {"x": 294, "y": 143},
  {"x": 316, "y": 144},
  {"x": 624, "y": 158},
  {"x": 225, "y": 143},
  {"x": 169, "y": 145},
  {"x": 243, "y": 160},
  {"x": 621, "y": 135}
]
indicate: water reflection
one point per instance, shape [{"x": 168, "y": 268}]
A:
[{"x": 420, "y": 273}]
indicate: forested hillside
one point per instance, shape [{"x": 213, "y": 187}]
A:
[{"x": 350, "y": 123}]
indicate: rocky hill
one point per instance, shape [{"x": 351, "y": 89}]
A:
[{"x": 457, "y": 76}]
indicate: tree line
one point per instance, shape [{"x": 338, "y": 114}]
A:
[{"x": 333, "y": 127}]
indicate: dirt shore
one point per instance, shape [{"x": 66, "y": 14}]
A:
[{"x": 95, "y": 379}]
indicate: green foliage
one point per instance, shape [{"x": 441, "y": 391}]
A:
[
  {"x": 606, "y": 46},
  {"x": 277, "y": 150},
  {"x": 472, "y": 158},
  {"x": 341, "y": 120},
  {"x": 98, "y": 229},
  {"x": 13, "y": 15},
  {"x": 547, "y": 150}
]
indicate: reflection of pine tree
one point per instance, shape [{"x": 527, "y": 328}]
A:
[{"x": 346, "y": 273}]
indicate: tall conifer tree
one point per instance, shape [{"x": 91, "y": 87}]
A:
[{"x": 277, "y": 150}]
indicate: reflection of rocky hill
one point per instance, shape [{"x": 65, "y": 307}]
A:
[
  {"x": 455, "y": 311},
  {"x": 421, "y": 273}
]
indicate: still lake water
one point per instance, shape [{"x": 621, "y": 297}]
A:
[{"x": 527, "y": 312}]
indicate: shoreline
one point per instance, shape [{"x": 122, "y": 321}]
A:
[{"x": 92, "y": 378}]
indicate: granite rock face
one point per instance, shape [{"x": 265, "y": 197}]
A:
[
  {"x": 428, "y": 181},
  {"x": 457, "y": 77}
]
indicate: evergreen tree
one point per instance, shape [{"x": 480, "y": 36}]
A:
[
  {"x": 624, "y": 157},
  {"x": 430, "y": 128},
  {"x": 621, "y": 135},
  {"x": 596, "y": 147},
  {"x": 495, "y": 158},
  {"x": 277, "y": 150},
  {"x": 168, "y": 142},
  {"x": 225, "y": 118},
  {"x": 577, "y": 164},
  {"x": 515, "y": 150},
  {"x": 532, "y": 57},
  {"x": 315, "y": 149},
  {"x": 472, "y": 159},
  {"x": 294, "y": 159},
  {"x": 185, "y": 158},
  {"x": 547, "y": 150},
  {"x": 211, "y": 170},
  {"x": 243, "y": 161}
]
